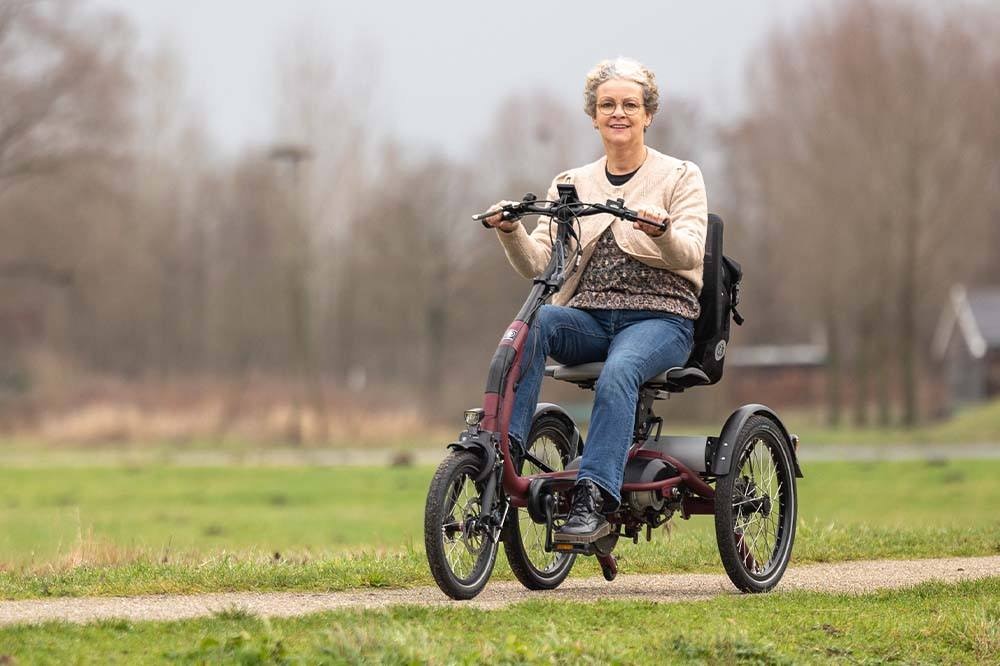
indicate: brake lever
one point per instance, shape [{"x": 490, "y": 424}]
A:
[{"x": 621, "y": 211}]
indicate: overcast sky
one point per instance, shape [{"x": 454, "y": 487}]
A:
[{"x": 445, "y": 65}]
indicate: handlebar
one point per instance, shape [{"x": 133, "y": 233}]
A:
[{"x": 530, "y": 205}]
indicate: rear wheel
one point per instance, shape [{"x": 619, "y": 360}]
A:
[
  {"x": 756, "y": 506},
  {"x": 461, "y": 550},
  {"x": 549, "y": 448}
]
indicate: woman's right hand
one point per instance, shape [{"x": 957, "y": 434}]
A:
[{"x": 497, "y": 220}]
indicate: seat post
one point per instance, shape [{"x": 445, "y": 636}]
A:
[{"x": 643, "y": 415}]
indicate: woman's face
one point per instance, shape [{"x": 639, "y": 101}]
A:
[{"x": 620, "y": 115}]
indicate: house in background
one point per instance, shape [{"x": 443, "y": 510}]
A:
[
  {"x": 967, "y": 346},
  {"x": 777, "y": 375}
]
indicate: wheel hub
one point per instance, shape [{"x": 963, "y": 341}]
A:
[
  {"x": 471, "y": 526},
  {"x": 750, "y": 499}
]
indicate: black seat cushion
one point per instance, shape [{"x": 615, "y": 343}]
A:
[{"x": 587, "y": 374}]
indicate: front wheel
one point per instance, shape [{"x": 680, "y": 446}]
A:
[
  {"x": 756, "y": 506},
  {"x": 461, "y": 550}
]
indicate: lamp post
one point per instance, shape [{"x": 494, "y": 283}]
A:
[{"x": 298, "y": 266}]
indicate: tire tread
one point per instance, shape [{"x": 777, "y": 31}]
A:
[{"x": 437, "y": 495}]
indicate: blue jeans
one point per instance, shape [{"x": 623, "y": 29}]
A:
[{"x": 635, "y": 345}]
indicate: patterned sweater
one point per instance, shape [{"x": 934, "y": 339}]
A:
[
  {"x": 674, "y": 185},
  {"x": 615, "y": 281}
]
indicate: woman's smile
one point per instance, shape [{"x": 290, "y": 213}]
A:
[{"x": 620, "y": 114}]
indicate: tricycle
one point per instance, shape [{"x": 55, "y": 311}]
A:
[{"x": 491, "y": 489}]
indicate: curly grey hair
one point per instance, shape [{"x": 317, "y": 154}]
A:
[{"x": 626, "y": 69}]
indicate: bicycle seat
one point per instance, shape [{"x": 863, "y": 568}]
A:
[{"x": 585, "y": 375}]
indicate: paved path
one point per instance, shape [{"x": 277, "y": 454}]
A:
[{"x": 850, "y": 577}]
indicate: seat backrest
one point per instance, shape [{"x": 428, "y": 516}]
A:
[
  {"x": 710, "y": 320},
  {"x": 719, "y": 295}
]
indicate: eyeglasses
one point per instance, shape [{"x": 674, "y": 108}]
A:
[{"x": 608, "y": 106}]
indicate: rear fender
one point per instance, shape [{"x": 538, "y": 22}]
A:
[
  {"x": 576, "y": 442},
  {"x": 719, "y": 454}
]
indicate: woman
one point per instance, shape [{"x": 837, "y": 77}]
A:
[{"x": 633, "y": 300}]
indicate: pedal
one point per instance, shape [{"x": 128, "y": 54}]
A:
[
  {"x": 608, "y": 536},
  {"x": 601, "y": 548},
  {"x": 604, "y": 530},
  {"x": 552, "y": 546},
  {"x": 578, "y": 548}
]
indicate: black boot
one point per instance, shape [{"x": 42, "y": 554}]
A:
[{"x": 585, "y": 523}]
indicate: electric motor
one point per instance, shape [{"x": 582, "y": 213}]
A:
[{"x": 641, "y": 470}]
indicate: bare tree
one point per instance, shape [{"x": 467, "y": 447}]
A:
[
  {"x": 173, "y": 211},
  {"x": 64, "y": 122},
  {"x": 61, "y": 87},
  {"x": 325, "y": 109},
  {"x": 680, "y": 129},
  {"x": 864, "y": 141}
]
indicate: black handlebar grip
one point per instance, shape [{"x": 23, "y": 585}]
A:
[
  {"x": 504, "y": 215},
  {"x": 659, "y": 225}
]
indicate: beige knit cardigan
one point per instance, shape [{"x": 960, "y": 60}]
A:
[{"x": 674, "y": 185}]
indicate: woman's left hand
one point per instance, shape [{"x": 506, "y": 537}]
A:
[{"x": 656, "y": 214}]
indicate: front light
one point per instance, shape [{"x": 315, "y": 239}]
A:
[{"x": 474, "y": 416}]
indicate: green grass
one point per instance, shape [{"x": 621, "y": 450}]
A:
[
  {"x": 978, "y": 424},
  {"x": 48, "y": 513},
  {"x": 973, "y": 425},
  {"x": 932, "y": 623},
  {"x": 110, "y": 531}
]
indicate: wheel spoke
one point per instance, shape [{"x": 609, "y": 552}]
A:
[
  {"x": 456, "y": 560},
  {"x": 759, "y": 489},
  {"x": 462, "y": 549},
  {"x": 763, "y": 555},
  {"x": 755, "y": 521}
]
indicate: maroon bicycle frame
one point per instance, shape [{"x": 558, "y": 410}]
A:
[{"x": 505, "y": 370}]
